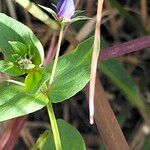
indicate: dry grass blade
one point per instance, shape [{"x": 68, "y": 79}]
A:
[{"x": 96, "y": 50}]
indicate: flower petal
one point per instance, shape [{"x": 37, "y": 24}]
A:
[
  {"x": 66, "y": 10},
  {"x": 59, "y": 4}
]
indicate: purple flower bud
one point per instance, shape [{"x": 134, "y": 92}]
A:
[{"x": 65, "y": 9}]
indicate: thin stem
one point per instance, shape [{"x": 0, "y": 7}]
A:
[
  {"x": 96, "y": 51},
  {"x": 57, "y": 54},
  {"x": 12, "y": 81},
  {"x": 16, "y": 82},
  {"x": 54, "y": 126},
  {"x": 49, "y": 105}
]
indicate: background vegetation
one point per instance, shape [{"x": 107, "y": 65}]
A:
[{"x": 125, "y": 79}]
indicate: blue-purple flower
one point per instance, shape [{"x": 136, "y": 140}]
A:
[
  {"x": 65, "y": 9},
  {"x": 65, "y": 12}
]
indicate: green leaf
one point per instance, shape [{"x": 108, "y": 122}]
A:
[
  {"x": 72, "y": 73},
  {"x": 70, "y": 138},
  {"x": 15, "y": 102},
  {"x": 12, "y": 30},
  {"x": 10, "y": 68},
  {"x": 35, "y": 80}
]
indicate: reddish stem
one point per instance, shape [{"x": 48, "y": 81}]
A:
[{"x": 125, "y": 48}]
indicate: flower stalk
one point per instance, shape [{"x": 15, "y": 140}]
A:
[
  {"x": 50, "y": 110},
  {"x": 57, "y": 54},
  {"x": 63, "y": 14}
]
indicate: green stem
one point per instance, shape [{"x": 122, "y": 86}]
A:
[
  {"x": 49, "y": 105},
  {"x": 54, "y": 126},
  {"x": 57, "y": 54}
]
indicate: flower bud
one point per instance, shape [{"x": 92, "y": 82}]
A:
[{"x": 65, "y": 9}]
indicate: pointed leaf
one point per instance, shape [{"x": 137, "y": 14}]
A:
[{"x": 72, "y": 73}]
